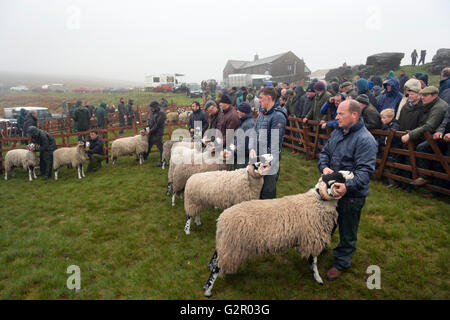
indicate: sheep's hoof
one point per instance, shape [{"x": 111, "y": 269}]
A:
[{"x": 188, "y": 232}]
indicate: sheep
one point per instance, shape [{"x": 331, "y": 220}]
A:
[
  {"x": 167, "y": 149},
  {"x": 184, "y": 117},
  {"x": 183, "y": 171},
  {"x": 74, "y": 156},
  {"x": 260, "y": 227},
  {"x": 220, "y": 189},
  {"x": 172, "y": 117},
  {"x": 182, "y": 152},
  {"x": 22, "y": 158},
  {"x": 137, "y": 145}
]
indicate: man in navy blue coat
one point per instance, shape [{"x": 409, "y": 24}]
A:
[{"x": 350, "y": 147}]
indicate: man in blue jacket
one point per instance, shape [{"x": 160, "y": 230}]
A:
[
  {"x": 350, "y": 147},
  {"x": 270, "y": 123}
]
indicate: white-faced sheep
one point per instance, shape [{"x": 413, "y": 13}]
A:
[
  {"x": 172, "y": 117},
  {"x": 167, "y": 150},
  {"x": 220, "y": 189},
  {"x": 261, "y": 227},
  {"x": 136, "y": 145},
  {"x": 74, "y": 157},
  {"x": 184, "y": 117},
  {"x": 203, "y": 162},
  {"x": 21, "y": 158}
]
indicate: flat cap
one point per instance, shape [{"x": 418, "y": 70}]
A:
[{"x": 430, "y": 89}]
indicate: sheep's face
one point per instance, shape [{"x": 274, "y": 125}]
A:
[
  {"x": 255, "y": 171},
  {"x": 143, "y": 132},
  {"x": 326, "y": 184},
  {"x": 31, "y": 147}
]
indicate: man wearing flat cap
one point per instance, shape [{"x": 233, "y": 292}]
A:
[
  {"x": 347, "y": 88},
  {"x": 155, "y": 129},
  {"x": 434, "y": 109}
]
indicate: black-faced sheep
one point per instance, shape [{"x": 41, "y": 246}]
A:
[{"x": 261, "y": 227}]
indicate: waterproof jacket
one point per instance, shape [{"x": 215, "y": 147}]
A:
[
  {"x": 390, "y": 99},
  {"x": 28, "y": 122},
  {"x": 101, "y": 115},
  {"x": 355, "y": 151},
  {"x": 371, "y": 117},
  {"x": 247, "y": 123},
  {"x": 45, "y": 141},
  {"x": 303, "y": 107},
  {"x": 430, "y": 119},
  {"x": 95, "y": 146},
  {"x": 444, "y": 127},
  {"x": 156, "y": 123},
  {"x": 21, "y": 118},
  {"x": 363, "y": 88},
  {"x": 82, "y": 116},
  {"x": 409, "y": 116},
  {"x": 273, "y": 119},
  {"x": 443, "y": 85},
  {"x": 333, "y": 112},
  {"x": 318, "y": 102},
  {"x": 198, "y": 115},
  {"x": 402, "y": 80}
]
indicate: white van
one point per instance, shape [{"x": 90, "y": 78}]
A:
[{"x": 42, "y": 113}]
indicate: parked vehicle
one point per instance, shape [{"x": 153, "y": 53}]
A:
[
  {"x": 42, "y": 113},
  {"x": 180, "y": 88},
  {"x": 194, "y": 90},
  {"x": 165, "y": 87}
]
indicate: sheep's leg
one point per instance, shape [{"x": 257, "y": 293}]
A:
[
  {"x": 213, "y": 262},
  {"x": 173, "y": 199},
  {"x": 141, "y": 160},
  {"x": 56, "y": 174},
  {"x": 6, "y": 175},
  {"x": 113, "y": 162},
  {"x": 313, "y": 268},
  {"x": 82, "y": 171},
  {"x": 187, "y": 226},
  {"x": 210, "y": 283},
  {"x": 181, "y": 195},
  {"x": 34, "y": 173},
  {"x": 163, "y": 164},
  {"x": 79, "y": 171},
  {"x": 197, "y": 220},
  {"x": 30, "y": 178},
  {"x": 169, "y": 187}
]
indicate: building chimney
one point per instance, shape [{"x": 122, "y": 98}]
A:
[{"x": 256, "y": 57}]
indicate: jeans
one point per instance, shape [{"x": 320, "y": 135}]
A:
[{"x": 349, "y": 210}]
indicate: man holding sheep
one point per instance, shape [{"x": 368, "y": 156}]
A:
[{"x": 350, "y": 147}]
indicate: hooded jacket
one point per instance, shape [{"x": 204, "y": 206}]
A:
[
  {"x": 82, "y": 117},
  {"x": 390, "y": 99},
  {"x": 430, "y": 119},
  {"x": 318, "y": 102},
  {"x": 230, "y": 120},
  {"x": 363, "y": 88},
  {"x": 156, "y": 122},
  {"x": 28, "y": 122},
  {"x": 45, "y": 141},
  {"x": 355, "y": 151}
]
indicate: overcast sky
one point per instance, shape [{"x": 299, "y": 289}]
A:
[{"x": 127, "y": 40}]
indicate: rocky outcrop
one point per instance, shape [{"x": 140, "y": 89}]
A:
[{"x": 440, "y": 61}]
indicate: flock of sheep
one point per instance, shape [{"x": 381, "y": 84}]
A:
[{"x": 248, "y": 227}]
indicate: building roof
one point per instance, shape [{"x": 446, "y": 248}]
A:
[
  {"x": 237, "y": 63},
  {"x": 263, "y": 61}
]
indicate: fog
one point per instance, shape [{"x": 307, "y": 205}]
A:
[{"x": 127, "y": 40}]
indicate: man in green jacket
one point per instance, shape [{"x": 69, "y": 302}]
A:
[
  {"x": 45, "y": 144},
  {"x": 434, "y": 109},
  {"x": 101, "y": 115}
]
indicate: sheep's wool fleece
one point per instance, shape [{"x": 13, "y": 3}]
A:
[
  {"x": 64, "y": 156},
  {"x": 183, "y": 172},
  {"x": 20, "y": 157},
  {"x": 260, "y": 227},
  {"x": 131, "y": 145},
  {"x": 221, "y": 189},
  {"x": 172, "y": 117}
]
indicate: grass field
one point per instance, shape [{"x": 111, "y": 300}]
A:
[{"x": 117, "y": 225}]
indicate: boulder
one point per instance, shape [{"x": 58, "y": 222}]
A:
[
  {"x": 383, "y": 62},
  {"x": 342, "y": 73},
  {"x": 440, "y": 60}
]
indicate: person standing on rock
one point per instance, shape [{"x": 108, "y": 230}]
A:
[
  {"x": 422, "y": 56},
  {"x": 414, "y": 57}
]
